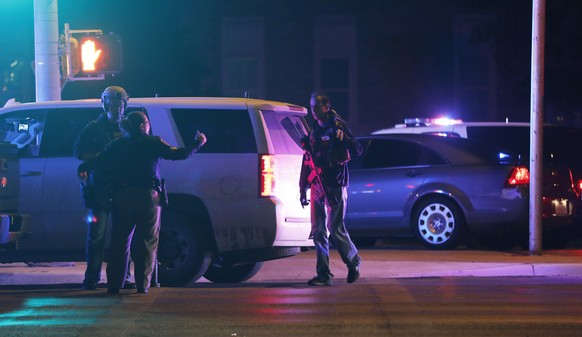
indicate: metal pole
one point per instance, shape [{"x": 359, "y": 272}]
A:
[
  {"x": 46, "y": 51},
  {"x": 537, "y": 126}
]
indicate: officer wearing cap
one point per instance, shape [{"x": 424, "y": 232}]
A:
[
  {"x": 97, "y": 191},
  {"x": 137, "y": 196}
]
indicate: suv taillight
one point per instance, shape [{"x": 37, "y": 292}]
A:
[
  {"x": 268, "y": 172},
  {"x": 519, "y": 176}
]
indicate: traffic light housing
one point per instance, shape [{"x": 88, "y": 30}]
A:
[{"x": 99, "y": 54}]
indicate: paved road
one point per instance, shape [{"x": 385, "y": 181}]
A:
[
  {"x": 377, "y": 264},
  {"x": 449, "y": 306},
  {"x": 401, "y": 293}
]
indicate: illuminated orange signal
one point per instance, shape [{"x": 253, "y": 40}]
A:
[
  {"x": 90, "y": 55},
  {"x": 100, "y": 54}
]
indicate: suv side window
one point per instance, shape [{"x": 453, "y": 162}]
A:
[
  {"x": 62, "y": 129},
  {"x": 228, "y": 131},
  {"x": 385, "y": 153},
  {"x": 24, "y": 129}
]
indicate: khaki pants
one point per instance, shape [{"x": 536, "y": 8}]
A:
[{"x": 135, "y": 217}]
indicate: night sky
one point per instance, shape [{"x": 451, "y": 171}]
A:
[{"x": 171, "y": 48}]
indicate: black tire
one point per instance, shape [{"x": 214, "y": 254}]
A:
[
  {"x": 218, "y": 273},
  {"x": 438, "y": 223},
  {"x": 181, "y": 257}
]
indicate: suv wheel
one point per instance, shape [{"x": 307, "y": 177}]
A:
[
  {"x": 438, "y": 223},
  {"x": 218, "y": 273},
  {"x": 181, "y": 257}
]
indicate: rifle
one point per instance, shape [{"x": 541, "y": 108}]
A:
[{"x": 316, "y": 171}]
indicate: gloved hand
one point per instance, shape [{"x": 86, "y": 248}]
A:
[
  {"x": 339, "y": 134},
  {"x": 304, "y": 142},
  {"x": 82, "y": 172},
  {"x": 199, "y": 139},
  {"x": 303, "y": 199}
]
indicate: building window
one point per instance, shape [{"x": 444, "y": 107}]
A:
[
  {"x": 475, "y": 74},
  {"x": 241, "y": 75},
  {"x": 335, "y": 73},
  {"x": 335, "y": 62},
  {"x": 243, "y": 56}
]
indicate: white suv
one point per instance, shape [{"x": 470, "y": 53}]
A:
[{"x": 232, "y": 205}]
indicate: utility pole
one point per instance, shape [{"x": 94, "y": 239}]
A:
[
  {"x": 46, "y": 51},
  {"x": 537, "y": 126}
]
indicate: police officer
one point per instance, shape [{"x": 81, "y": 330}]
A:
[
  {"x": 136, "y": 212},
  {"x": 329, "y": 146},
  {"x": 92, "y": 140}
]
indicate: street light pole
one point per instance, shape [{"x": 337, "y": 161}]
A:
[
  {"x": 46, "y": 51},
  {"x": 537, "y": 125}
]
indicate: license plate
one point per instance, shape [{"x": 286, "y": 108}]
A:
[{"x": 561, "y": 207}]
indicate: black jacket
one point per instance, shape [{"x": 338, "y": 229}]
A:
[
  {"x": 134, "y": 160},
  {"x": 93, "y": 139},
  {"x": 329, "y": 154}
]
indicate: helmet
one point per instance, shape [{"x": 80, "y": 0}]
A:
[{"x": 113, "y": 92}]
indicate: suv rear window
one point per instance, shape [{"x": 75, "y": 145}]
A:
[
  {"x": 285, "y": 131},
  {"x": 228, "y": 131}
]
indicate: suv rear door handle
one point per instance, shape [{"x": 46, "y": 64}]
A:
[
  {"x": 31, "y": 174},
  {"x": 414, "y": 173}
]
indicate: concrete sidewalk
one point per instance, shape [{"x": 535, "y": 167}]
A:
[{"x": 376, "y": 264}]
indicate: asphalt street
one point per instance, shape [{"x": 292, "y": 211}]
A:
[
  {"x": 377, "y": 264},
  {"x": 401, "y": 292}
]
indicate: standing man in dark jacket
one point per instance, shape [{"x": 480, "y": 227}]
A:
[
  {"x": 133, "y": 160},
  {"x": 97, "y": 194},
  {"x": 328, "y": 149}
]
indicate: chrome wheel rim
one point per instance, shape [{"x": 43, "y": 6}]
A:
[{"x": 436, "y": 223}]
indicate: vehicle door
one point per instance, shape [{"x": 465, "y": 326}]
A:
[
  {"x": 383, "y": 182},
  {"x": 63, "y": 215}
]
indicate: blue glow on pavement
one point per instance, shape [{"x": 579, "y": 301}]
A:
[{"x": 56, "y": 311}]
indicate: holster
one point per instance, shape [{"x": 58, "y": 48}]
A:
[
  {"x": 340, "y": 154},
  {"x": 160, "y": 187},
  {"x": 95, "y": 198},
  {"x": 85, "y": 195}
]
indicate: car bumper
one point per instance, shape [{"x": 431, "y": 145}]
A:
[{"x": 559, "y": 212}]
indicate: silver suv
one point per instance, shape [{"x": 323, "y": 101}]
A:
[{"x": 232, "y": 205}]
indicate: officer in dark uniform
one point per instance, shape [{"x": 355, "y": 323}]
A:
[
  {"x": 92, "y": 140},
  {"x": 136, "y": 212},
  {"x": 328, "y": 148}
]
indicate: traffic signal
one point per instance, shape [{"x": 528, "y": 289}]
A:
[{"x": 99, "y": 54}]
